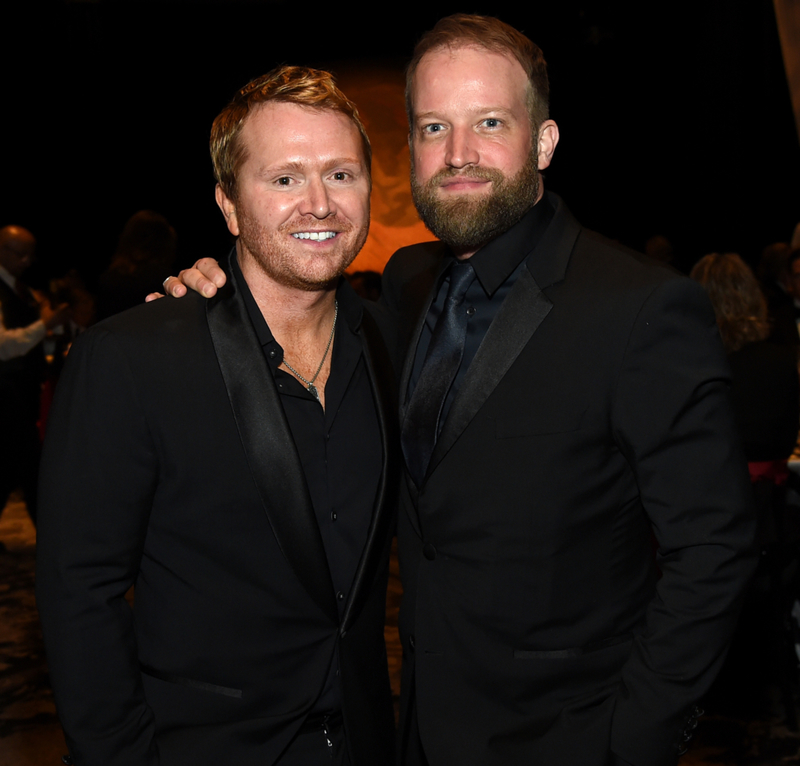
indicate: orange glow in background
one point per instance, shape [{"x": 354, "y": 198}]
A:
[{"x": 394, "y": 222}]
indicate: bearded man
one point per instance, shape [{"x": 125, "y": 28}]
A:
[
  {"x": 256, "y": 635},
  {"x": 562, "y": 401}
]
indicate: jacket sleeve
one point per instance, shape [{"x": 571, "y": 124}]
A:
[
  {"x": 673, "y": 422},
  {"x": 98, "y": 476}
]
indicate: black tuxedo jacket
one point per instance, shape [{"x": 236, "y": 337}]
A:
[
  {"x": 169, "y": 464},
  {"x": 533, "y": 624}
]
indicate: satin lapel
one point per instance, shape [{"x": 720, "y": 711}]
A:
[
  {"x": 382, "y": 378},
  {"x": 522, "y": 312},
  {"x": 268, "y": 444}
]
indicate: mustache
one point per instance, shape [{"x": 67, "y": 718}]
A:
[
  {"x": 310, "y": 223},
  {"x": 482, "y": 174}
]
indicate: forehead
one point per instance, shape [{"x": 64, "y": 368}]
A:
[
  {"x": 278, "y": 132},
  {"x": 468, "y": 78}
]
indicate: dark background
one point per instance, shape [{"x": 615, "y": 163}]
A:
[{"x": 674, "y": 119}]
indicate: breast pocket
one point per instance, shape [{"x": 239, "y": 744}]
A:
[{"x": 574, "y": 651}]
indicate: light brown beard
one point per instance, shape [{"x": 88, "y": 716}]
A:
[
  {"x": 468, "y": 223},
  {"x": 282, "y": 266}
]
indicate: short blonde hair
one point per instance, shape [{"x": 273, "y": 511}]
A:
[{"x": 312, "y": 88}]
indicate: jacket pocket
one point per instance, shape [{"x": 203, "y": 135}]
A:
[
  {"x": 171, "y": 678},
  {"x": 575, "y": 651}
]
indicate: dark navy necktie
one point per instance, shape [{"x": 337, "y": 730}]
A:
[{"x": 422, "y": 422}]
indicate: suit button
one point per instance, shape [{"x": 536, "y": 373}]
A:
[
  {"x": 428, "y": 551},
  {"x": 411, "y": 642}
]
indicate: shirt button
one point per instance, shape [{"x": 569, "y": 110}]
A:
[
  {"x": 334, "y": 516},
  {"x": 340, "y": 596},
  {"x": 471, "y": 311},
  {"x": 428, "y": 551},
  {"x": 273, "y": 353}
]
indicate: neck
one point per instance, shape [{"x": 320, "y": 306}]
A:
[
  {"x": 301, "y": 321},
  {"x": 290, "y": 312}
]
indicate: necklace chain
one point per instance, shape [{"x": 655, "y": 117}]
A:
[{"x": 310, "y": 383}]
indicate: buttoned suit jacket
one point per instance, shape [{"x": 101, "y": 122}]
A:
[
  {"x": 533, "y": 624},
  {"x": 169, "y": 463}
]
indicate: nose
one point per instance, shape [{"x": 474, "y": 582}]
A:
[
  {"x": 461, "y": 149},
  {"x": 317, "y": 200}
]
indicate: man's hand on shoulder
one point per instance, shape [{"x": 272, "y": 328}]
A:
[{"x": 204, "y": 278}]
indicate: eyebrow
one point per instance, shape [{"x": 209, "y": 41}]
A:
[
  {"x": 432, "y": 114},
  {"x": 300, "y": 167}
]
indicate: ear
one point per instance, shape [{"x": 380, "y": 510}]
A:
[
  {"x": 548, "y": 140},
  {"x": 228, "y": 210}
]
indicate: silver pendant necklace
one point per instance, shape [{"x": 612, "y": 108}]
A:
[{"x": 310, "y": 383}]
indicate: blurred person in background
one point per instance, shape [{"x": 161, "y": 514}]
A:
[
  {"x": 26, "y": 318},
  {"x": 775, "y": 281},
  {"x": 145, "y": 252},
  {"x": 765, "y": 392}
]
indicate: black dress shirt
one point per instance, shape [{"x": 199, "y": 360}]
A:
[{"x": 339, "y": 447}]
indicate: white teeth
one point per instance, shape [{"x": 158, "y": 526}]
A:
[{"x": 315, "y": 235}]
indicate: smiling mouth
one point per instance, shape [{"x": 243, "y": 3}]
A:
[{"x": 317, "y": 236}]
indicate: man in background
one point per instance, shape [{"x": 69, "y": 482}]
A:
[{"x": 25, "y": 320}]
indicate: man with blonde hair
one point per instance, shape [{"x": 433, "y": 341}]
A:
[{"x": 256, "y": 634}]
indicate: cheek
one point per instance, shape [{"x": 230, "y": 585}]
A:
[
  {"x": 355, "y": 206},
  {"x": 427, "y": 160},
  {"x": 509, "y": 160},
  {"x": 359, "y": 215}
]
